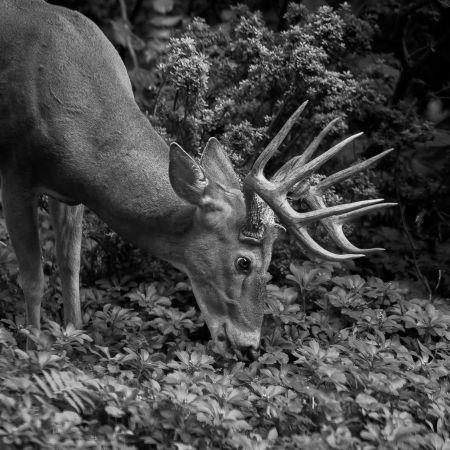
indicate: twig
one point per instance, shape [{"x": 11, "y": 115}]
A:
[
  {"x": 123, "y": 10},
  {"x": 410, "y": 239},
  {"x": 410, "y": 66},
  {"x": 432, "y": 50},
  {"x": 438, "y": 283},
  {"x": 158, "y": 94}
]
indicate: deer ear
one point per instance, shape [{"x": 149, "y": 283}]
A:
[
  {"x": 218, "y": 166},
  {"x": 187, "y": 178}
]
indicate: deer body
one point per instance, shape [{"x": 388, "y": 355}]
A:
[
  {"x": 70, "y": 128},
  {"x": 64, "y": 87}
]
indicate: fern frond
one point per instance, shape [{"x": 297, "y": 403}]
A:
[{"x": 69, "y": 387}]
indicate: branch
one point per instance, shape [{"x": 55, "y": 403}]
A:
[
  {"x": 431, "y": 50},
  {"x": 404, "y": 53},
  {"x": 123, "y": 10}
]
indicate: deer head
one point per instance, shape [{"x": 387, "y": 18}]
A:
[
  {"x": 230, "y": 244},
  {"x": 227, "y": 267}
]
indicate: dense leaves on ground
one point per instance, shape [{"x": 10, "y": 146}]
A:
[
  {"x": 347, "y": 360},
  {"x": 346, "y": 363}
]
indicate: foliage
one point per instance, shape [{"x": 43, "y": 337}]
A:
[
  {"x": 237, "y": 73},
  {"x": 253, "y": 71},
  {"x": 241, "y": 81},
  {"x": 346, "y": 362}
]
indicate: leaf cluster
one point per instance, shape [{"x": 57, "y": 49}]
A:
[{"x": 346, "y": 362}]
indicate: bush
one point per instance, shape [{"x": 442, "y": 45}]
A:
[{"x": 241, "y": 81}]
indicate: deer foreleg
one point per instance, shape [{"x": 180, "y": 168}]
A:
[
  {"x": 67, "y": 222},
  {"x": 20, "y": 210}
]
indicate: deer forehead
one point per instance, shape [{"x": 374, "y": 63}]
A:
[{"x": 231, "y": 207}]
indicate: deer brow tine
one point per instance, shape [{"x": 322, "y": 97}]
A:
[
  {"x": 268, "y": 152},
  {"x": 313, "y": 165},
  {"x": 349, "y": 171}
]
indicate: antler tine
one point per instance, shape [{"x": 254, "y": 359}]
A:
[
  {"x": 346, "y": 173},
  {"x": 300, "y": 160},
  {"x": 315, "y": 215},
  {"x": 334, "y": 226},
  {"x": 312, "y": 166},
  {"x": 306, "y": 155},
  {"x": 293, "y": 176},
  {"x": 338, "y": 236},
  {"x": 297, "y": 161},
  {"x": 347, "y": 217},
  {"x": 263, "y": 158},
  {"x": 309, "y": 245}
]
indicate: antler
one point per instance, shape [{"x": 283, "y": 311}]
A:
[{"x": 293, "y": 178}]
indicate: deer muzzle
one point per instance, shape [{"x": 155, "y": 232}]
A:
[{"x": 244, "y": 340}]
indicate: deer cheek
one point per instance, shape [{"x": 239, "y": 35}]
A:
[
  {"x": 210, "y": 302},
  {"x": 246, "y": 313}
]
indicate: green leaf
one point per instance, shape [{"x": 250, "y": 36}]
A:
[{"x": 114, "y": 411}]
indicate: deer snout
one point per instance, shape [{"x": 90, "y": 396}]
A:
[{"x": 246, "y": 341}]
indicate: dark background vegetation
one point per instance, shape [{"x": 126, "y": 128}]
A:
[
  {"x": 395, "y": 55},
  {"x": 353, "y": 355}
]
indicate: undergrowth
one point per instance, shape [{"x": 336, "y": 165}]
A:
[{"x": 346, "y": 363}]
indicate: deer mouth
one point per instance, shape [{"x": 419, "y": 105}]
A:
[
  {"x": 242, "y": 339},
  {"x": 221, "y": 340},
  {"x": 228, "y": 333},
  {"x": 229, "y": 325},
  {"x": 247, "y": 349}
]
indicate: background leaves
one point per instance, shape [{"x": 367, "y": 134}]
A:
[{"x": 353, "y": 355}]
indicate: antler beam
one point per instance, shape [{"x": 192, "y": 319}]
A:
[{"x": 293, "y": 178}]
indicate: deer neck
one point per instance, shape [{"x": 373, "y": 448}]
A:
[{"x": 127, "y": 186}]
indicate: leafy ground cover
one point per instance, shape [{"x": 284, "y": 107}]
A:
[{"x": 346, "y": 362}]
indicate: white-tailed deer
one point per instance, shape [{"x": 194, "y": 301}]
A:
[{"x": 70, "y": 128}]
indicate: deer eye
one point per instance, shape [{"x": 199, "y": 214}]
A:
[{"x": 243, "y": 264}]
